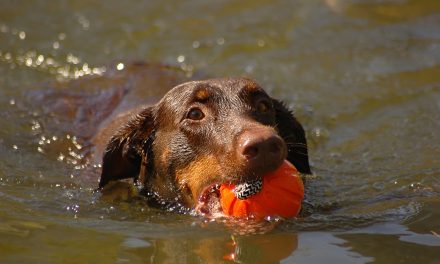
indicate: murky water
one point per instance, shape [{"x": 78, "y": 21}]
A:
[{"x": 362, "y": 76}]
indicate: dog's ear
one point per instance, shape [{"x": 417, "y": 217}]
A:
[
  {"x": 293, "y": 134},
  {"x": 127, "y": 149}
]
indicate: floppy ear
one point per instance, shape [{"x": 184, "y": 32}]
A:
[
  {"x": 293, "y": 134},
  {"x": 127, "y": 149}
]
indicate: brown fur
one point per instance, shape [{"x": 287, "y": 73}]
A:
[{"x": 202, "y": 133}]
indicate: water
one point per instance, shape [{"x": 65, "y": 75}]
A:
[{"x": 362, "y": 76}]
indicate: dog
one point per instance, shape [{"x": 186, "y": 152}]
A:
[{"x": 199, "y": 135}]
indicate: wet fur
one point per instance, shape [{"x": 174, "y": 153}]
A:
[{"x": 175, "y": 159}]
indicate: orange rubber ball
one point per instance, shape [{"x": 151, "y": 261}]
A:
[{"x": 281, "y": 195}]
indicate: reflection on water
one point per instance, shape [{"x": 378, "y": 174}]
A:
[
  {"x": 252, "y": 249},
  {"x": 362, "y": 76}
]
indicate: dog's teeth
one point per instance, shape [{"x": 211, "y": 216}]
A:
[{"x": 247, "y": 189}]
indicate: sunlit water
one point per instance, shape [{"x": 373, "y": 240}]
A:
[{"x": 362, "y": 76}]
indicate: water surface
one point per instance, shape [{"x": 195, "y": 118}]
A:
[{"x": 362, "y": 76}]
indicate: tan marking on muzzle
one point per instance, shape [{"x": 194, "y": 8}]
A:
[{"x": 193, "y": 178}]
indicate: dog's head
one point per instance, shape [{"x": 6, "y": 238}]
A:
[{"x": 204, "y": 133}]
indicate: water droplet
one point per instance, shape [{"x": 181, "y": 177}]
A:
[
  {"x": 35, "y": 126},
  {"x": 61, "y": 157},
  {"x": 120, "y": 66},
  {"x": 85, "y": 67},
  {"x": 72, "y": 59},
  {"x": 220, "y": 41},
  {"x": 15, "y": 147},
  {"x": 40, "y": 59},
  {"x": 196, "y": 44},
  {"x": 62, "y": 36},
  {"x": 261, "y": 43},
  {"x": 181, "y": 58},
  {"x": 98, "y": 71},
  {"x": 29, "y": 62},
  {"x": 50, "y": 61},
  {"x": 83, "y": 22},
  {"x": 22, "y": 35},
  {"x": 56, "y": 45}
]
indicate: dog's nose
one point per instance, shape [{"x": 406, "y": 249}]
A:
[
  {"x": 259, "y": 145},
  {"x": 262, "y": 149}
]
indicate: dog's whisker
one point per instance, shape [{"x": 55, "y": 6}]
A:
[
  {"x": 296, "y": 146},
  {"x": 286, "y": 139},
  {"x": 301, "y": 153}
]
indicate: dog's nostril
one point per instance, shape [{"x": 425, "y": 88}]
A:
[
  {"x": 250, "y": 152},
  {"x": 259, "y": 146}
]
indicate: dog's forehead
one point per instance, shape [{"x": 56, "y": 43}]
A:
[
  {"x": 206, "y": 88},
  {"x": 233, "y": 84},
  {"x": 229, "y": 92}
]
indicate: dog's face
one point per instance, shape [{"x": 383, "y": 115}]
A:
[{"x": 202, "y": 134}]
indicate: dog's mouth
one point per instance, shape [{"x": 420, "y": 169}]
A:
[{"x": 209, "y": 202}]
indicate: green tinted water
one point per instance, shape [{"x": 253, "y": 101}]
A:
[{"x": 362, "y": 76}]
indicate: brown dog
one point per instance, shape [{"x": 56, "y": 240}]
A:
[{"x": 201, "y": 134}]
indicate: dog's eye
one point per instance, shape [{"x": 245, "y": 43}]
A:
[
  {"x": 263, "y": 106},
  {"x": 195, "y": 114}
]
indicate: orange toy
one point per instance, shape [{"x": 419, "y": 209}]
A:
[{"x": 281, "y": 195}]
